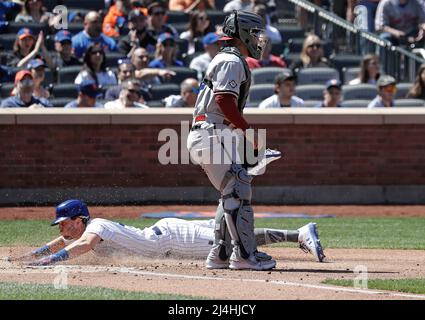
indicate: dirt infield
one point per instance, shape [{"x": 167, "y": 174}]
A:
[
  {"x": 297, "y": 275},
  {"x": 31, "y": 213}
]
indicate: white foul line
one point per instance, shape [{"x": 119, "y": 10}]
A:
[{"x": 95, "y": 269}]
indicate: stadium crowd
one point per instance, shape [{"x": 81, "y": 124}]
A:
[{"x": 149, "y": 53}]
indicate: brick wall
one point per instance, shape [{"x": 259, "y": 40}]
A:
[{"x": 122, "y": 155}]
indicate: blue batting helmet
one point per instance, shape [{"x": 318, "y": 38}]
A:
[{"x": 70, "y": 209}]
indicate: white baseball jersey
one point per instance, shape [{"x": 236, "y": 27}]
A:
[
  {"x": 169, "y": 236},
  {"x": 226, "y": 74}
]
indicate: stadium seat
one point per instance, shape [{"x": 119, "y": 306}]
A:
[
  {"x": 112, "y": 59},
  {"x": 88, "y": 5},
  {"x": 155, "y": 104},
  {"x": 162, "y": 91},
  {"x": 75, "y": 28},
  {"x": 174, "y": 17},
  {"x": 311, "y": 103},
  {"x": 68, "y": 74},
  {"x": 277, "y": 48},
  {"x": 216, "y": 17},
  {"x": 316, "y": 75},
  {"x": 67, "y": 90},
  {"x": 6, "y": 89},
  {"x": 310, "y": 92},
  {"x": 407, "y": 103},
  {"x": 51, "y": 4},
  {"x": 13, "y": 27},
  {"x": 7, "y": 40},
  {"x": 355, "y": 103},
  {"x": 290, "y": 32},
  {"x": 183, "y": 45},
  {"x": 253, "y": 104},
  {"x": 359, "y": 92},
  {"x": 182, "y": 73},
  {"x": 291, "y": 57},
  {"x": 402, "y": 90},
  {"x": 340, "y": 61},
  {"x": 260, "y": 92},
  {"x": 60, "y": 102},
  {"x": 350, "y": 74},
  {"x": 265, "y": 75}
]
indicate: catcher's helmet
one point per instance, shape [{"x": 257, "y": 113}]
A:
[
  {"x": 70, "y": 209},
  {"x": 247, "y": 27}
]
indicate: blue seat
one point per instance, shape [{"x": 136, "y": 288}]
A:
[
  {"x": 310, "y": 91},
  {"x": 266, "y": 74},
  {"x": 162, "y": 91},
  {"x": 260, "y": 92},
  {"x": 362, "y": 91},
  {"x": 316, "y": 75}
]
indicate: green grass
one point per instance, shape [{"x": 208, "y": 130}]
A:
[
  {"x": 384, "y": 233},
  {"x": 416, "y": 286},
  {"x": 18, "y": 291}
]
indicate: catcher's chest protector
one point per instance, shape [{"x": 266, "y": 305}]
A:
[{"x": 245, "y": 85}]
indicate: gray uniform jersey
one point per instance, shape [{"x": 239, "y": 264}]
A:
[{"x": 226, "y": 73}]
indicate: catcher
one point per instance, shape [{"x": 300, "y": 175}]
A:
[{"x": 169, "y": 236}]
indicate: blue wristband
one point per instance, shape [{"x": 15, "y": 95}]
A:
[
  {"x": 60, "y": 256},
  {"x": 41, "y": 251}
]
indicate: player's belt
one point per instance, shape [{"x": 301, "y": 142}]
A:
[
  {"x": 157, "y": 231},
  {"x": 201, "y": 118}
]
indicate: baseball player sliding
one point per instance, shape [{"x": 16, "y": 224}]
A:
[
  {"x": 167, "y": 237},
  {"x": 218, "y": 115}
]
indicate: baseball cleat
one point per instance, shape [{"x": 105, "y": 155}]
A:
[
  {"x": 270, "y": 155},
  {"x": 309, "y": 241},
  {"x": 262, "y": 256},
  {"x": 214, "y": 261},
  {"x": 252, "y": 263}
]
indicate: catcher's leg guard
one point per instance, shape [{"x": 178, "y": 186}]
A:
[
  {"x": 218, "y": 257},
  {"x": 239, "y": 215}
]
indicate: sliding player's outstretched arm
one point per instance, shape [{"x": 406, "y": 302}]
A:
[{"x": 84, "y": 244}]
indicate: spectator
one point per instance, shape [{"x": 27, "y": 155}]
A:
[
  {"x": 88, "y": 91},
  {"x": 311, "y": 54},
  {"x": 24, "y": 97},
  {"x": 386, "y": 92},
  {"x": 237, "y": 5},
  {"x": 37, "y": 68},
  {"x": 284, "y": 96},
  {"x": 369, "y": 70},
  {"x": 148, "y": 76},
  {"x": 418, "y": 89},
  {"x": 95, "y": 68},
  {"x": 6, "y": 8},
  {"x": 190, "y": 5},
  {"x": 199, "y": 26},
  {"x": 63, "y": 57},
  {"x": 116, "y": 18},
  {"x": 189, "y": 89},
  {"x": 156, "y": 20},
  {"x": 92, "y": 33},
  {"x": 138, "y": 35},
  {"x": 129, "y": 96},
  {"x": 33, "y": 11},
  {"x": 332, "y": 95},
  {"x": 211, "y": 46},
  {"x": 126, "y": 71},
  {"x": 272, "y": 33},
  {"x": 26, "y": 48},
  {"x": 165, "y": 54},
  {"x": 400, "y": 21},
  {"x": 370, "y": 6},
  {"x": 267, "y": 59}
]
